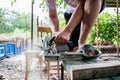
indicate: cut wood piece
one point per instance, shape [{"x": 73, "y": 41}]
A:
[
  {"x": 109, "y": 55},
  {"x": 110, "y": 59},
  {"x": 52, "y": 57},
  {"x": 78, "y": 70},
  {"x": 63, "y": 56}
]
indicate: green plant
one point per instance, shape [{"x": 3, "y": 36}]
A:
[
  {"x": 11, "y": 20},
  {"x": 12, "y": 2},
  {"x": 106, "y": 30},
  {"x": 107, "y": 27}
]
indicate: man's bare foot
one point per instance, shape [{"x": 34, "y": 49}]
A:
[
  {"x": 74, "y": 49},
  {"x": 92, "y": 53}
]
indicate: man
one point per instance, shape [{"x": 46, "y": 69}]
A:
[{"x": 80, "y": 17}]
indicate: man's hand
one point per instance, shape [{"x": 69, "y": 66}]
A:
[{"x": 62, "y": 37}]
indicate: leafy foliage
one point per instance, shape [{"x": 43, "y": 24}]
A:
[
  {"x": 11, "y": 20},
  {"x": 2, "y": 21},
  {"x": 5, "y": 22},
  {"x": 106, "y": 28},
  {"x": 12, "y": 2},
  {"x": 22, "y": 22}
]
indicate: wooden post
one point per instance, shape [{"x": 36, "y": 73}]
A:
[
  {"x": 97, "y": 32},
  {"x": 58, "y": 68},
  {"x": 117, "y": 23},
  {"x": 48, "y": 70},
  {"x": 32, "y": 22},
  {"x": 27, "y": 63}
]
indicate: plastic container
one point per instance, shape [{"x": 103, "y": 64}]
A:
[
  {"x": 2, "y": 51},
  {"x": 10, "y": 49}
]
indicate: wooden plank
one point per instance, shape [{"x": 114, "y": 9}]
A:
[
  {"x": 63, "y": 56},
  {"x": 91, "y": 69},
  {"x": 44, "y": 29}
]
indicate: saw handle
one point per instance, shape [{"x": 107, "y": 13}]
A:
[{"x": 52, "y": 39}]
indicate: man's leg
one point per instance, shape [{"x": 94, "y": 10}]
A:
[{"x": 91, "y": 11}]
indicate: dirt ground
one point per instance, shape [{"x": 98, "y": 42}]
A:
[{"x": 14, "y": 69}]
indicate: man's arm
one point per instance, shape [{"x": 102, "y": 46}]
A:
[
  {"x": 51, "y": 5},
  {"x": 76, "y": 17},
  {"x": 54, "y": 20}
]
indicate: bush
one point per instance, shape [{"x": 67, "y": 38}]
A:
[
  {"x": 11, "y": 20},
  {"x": 107, "y": 29}
]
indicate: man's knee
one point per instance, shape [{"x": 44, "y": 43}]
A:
[
  {"x": 93, "y": 6},
  {"x": 94, "y": 2}
]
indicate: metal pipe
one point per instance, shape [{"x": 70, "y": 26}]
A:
[
  {"x": 37, "y": 28},
  {"x": 32, "y": 22}
]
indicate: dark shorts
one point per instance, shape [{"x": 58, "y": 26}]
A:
[
  {"x": 75, "y": 33},
  {"x": 103, "y": 5}
]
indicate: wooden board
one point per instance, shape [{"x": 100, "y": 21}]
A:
[
  {"x": 78, "y": 70},
  {"x": 62, "y": 56}
]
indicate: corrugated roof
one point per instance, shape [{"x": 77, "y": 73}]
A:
[{"x": 112, "y": 3}]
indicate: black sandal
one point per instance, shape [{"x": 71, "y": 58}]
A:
[{"x": 89, "y": 52}]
